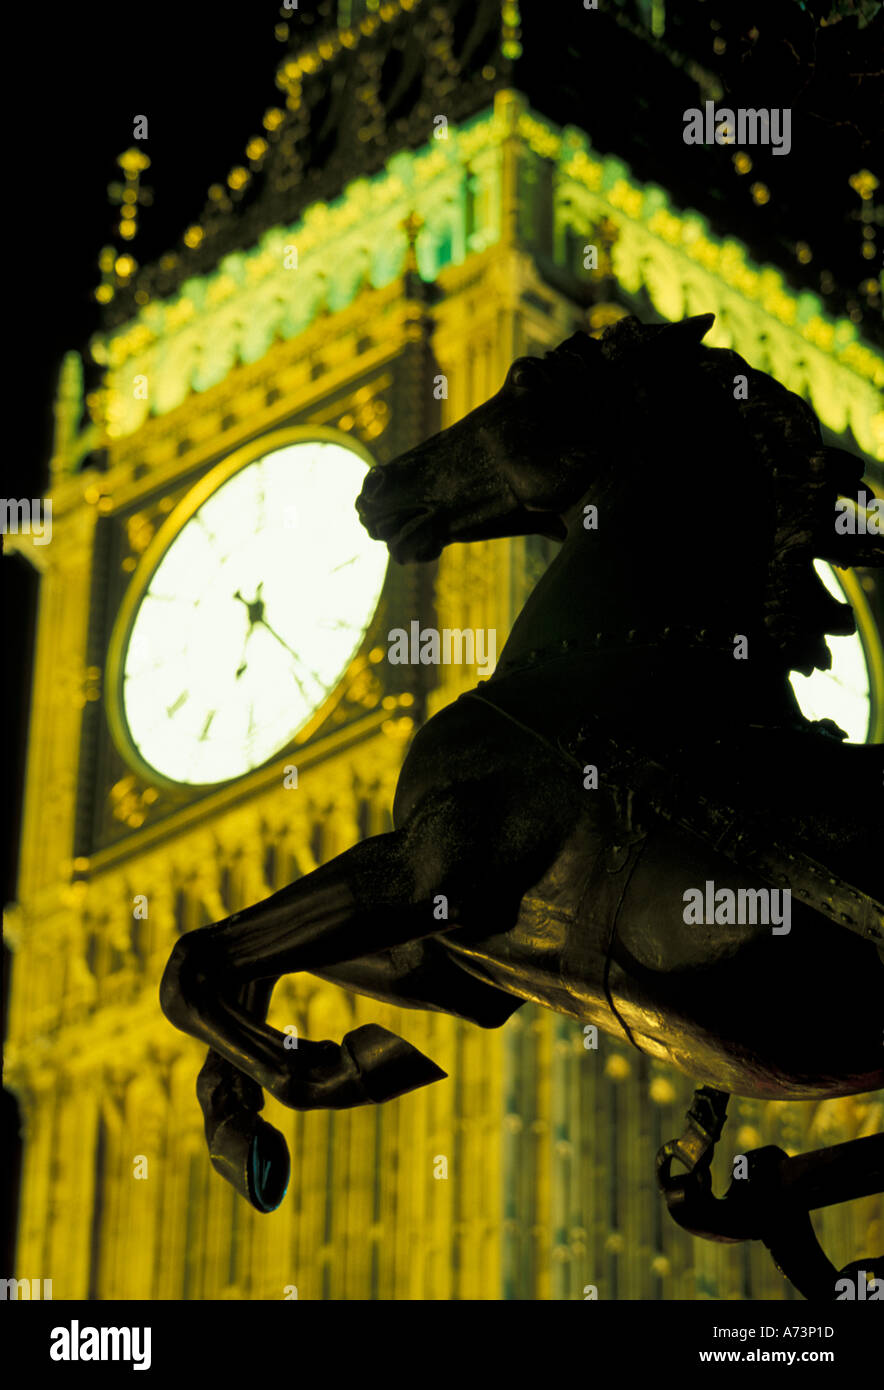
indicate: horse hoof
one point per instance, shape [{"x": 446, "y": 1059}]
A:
[
  {"x": 388, "y": 1066},
  {"x": 254, "y": 1158}
]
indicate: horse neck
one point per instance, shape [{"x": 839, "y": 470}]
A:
[
  {"x": 593, "y": 636},
  {"x": 661, "y": 556},
  {"x": 687, "y": 555}
]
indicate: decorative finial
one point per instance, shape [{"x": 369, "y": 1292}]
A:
[
  {"x": 117, "y": 270},
  {"x": 130, "y": 195},
  {"x": 411, "y": 225}
]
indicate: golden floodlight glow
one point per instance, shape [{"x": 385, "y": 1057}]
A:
[{"x": 252, "y": 614}]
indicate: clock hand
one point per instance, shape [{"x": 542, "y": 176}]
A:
[
  {"x": 310, "y": 671},
  {"x": 274, "y": 633},
  {"x": 240, "y": 670},
  {"x": 256, "y": 615},
  {"x": 255, "y": 610},
  {"x": 296, "y": 658}
]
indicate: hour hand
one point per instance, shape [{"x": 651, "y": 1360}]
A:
[{"x": 255, "y": 610}]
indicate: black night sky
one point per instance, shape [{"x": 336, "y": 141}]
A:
[{"x": 204, "y": 77}]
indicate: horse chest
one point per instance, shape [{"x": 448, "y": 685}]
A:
[{"x": 554, "y": 954}]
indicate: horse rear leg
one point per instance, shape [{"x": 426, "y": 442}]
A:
[
  {"x": 363, "y": 901},
  {"x": 252, "y": 1155},
  {"x": 248, "y": 1152},
  {"x": 226, "y": 1005},
  {"x": 478, "y": 852}
]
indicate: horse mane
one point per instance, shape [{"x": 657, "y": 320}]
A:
[{"x": 806, "y": 476}]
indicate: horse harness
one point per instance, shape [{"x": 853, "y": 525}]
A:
[
  {"x": 640, "y": 785},
  {"x": 774, "y": 1204},
  {"x": 610, "y": 875}
]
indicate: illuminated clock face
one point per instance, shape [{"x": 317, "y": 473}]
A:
[
  {"x": 252, "y": 615},
  {"x": 843, "y": 692}
]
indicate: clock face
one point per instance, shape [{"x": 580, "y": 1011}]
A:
[
  {"x": 252, "y": 614},
  {"x": 843, "y": 692}
]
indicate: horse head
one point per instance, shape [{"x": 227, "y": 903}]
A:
[
  {"x": 640, "y": 413},
  {"x": 519, "y": 462}
]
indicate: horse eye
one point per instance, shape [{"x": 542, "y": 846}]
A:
[{"x": 524, "y": 373}]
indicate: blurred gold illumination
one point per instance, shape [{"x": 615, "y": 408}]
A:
[
  {"x": 864, "y": 183},
  {"x": 662, "y": 1091},
  {"x": 617, "y": 1067},
  {"x": 133, "y": 162}
]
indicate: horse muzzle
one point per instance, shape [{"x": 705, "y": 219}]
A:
[{"x": 412, "y": 534}]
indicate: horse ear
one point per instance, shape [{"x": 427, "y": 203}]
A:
[
  {"x": 578, "y": 345},
  {"x": 688, "y": 330}
]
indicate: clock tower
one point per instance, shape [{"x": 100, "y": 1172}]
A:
[{"x": 214, "y": 713}]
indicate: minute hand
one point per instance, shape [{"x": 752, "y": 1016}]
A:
[
  {"x": 274, "y": 633},
  {"x": 295, "y": 657}
]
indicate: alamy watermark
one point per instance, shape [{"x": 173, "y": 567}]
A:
[
  {"x": 744, "y": 907},
  {"x": 745, "y": 126},
  {"x": 30, "y": 518},
  {"x": 862, "y": 1288},
  {"x": 17, "y": 1289},
  {"x": 862, "y": 517},
  {"x": 452, "y": 646},
  {"x": 76, "y": 1343}
]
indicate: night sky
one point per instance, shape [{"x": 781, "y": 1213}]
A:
[{"x": 203, "y": 75}]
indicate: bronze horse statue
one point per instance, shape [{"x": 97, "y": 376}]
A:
[{"x": 638, "y": 740}]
